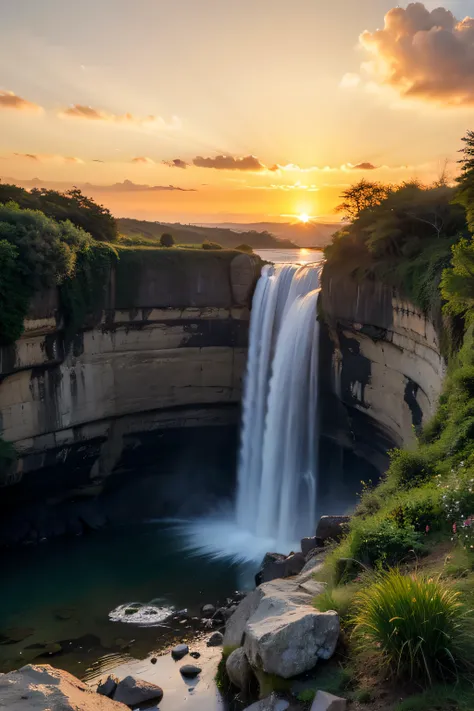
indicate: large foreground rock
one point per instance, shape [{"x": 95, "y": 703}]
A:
[
  {"x": 238, "y": 669},
  {"x": 42, "y": 688},
  {"x": 132, "y": 691},
  {"x": 271, "y": 703},
  {"x": 286, "y": 635},
  {"x": 279, "y": 566}
]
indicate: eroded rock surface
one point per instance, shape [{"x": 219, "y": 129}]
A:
[{"x": 238, "y": 669}]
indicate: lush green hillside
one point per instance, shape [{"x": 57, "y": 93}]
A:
[{"x": 190, "y": 234}]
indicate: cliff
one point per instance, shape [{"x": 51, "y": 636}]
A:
[
  {"x": 168, "y": 350},
  {"x": 382, "y": 364}
]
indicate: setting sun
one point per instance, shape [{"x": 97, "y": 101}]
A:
[{"x": 304, "y": 217}]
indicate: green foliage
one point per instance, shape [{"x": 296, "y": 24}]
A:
[
  {"x": 363, "y": 196},
  {"x": 244, "y": 248},
  {"x": 410, "y": 468},
  {"x": 306, "y": 696},
  {"x": 35, "y": 253},
  {"x": 166, "y": 240},
  {"x": 382, "y": 542},
  {"x": 211, "y": 245},
  {"x": 415, "y": 628},
  {"x": 84, "y": 292},
  {"x": 339, "y": 599},
  {"x": 71, "y": 205},
  {"x": 457, "y": 283},
  {"x": 441, "y": 698}
]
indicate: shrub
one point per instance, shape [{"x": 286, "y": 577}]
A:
[
  {"x": 380, "y": 542},
  {"x": 244, "y": 248},
  {"x": 416, "y": 628},
  {"x": 420, "y": 507},
  {"x": 211, "y": 245},
  {"x": 410, "y": 468},
  {"x": 166, "y": 240}
]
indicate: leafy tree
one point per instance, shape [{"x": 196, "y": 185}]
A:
[
  {"x": 166, "y": 240},
  {"x": 457, "y": 283},
  {"x": 465, "y": 191},
  {"x": 71, "y": 205},
  {"x": 364, "y": 195}
]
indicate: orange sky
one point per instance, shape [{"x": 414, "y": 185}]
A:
[{"x": 203, "y": 110}]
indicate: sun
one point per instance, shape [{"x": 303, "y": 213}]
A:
[{"x": 304, "y": 218}]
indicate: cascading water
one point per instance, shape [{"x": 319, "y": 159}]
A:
[
  {"x": 278, "y": 463},
  {"x": 276, "y": 499}
]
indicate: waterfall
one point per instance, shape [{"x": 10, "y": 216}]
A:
[
  {"x": 277, "y": 477},
  {"x": 278, "y": 463}
]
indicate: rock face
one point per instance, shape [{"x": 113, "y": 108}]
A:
[
  {"x": 132, "y": 692},
  {"x": 310, "y": 544},
  {"x": 332, "y": 528},
  {"x": 271, "y": 703},
  {"x": 382, "y": 368},
  {"x": 42, "y": 688},
  {"x": 238, "y": 669}
]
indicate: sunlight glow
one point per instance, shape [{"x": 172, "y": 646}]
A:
[{"x": 304, "y": 217}]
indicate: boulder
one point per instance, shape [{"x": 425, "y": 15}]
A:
[
  {"x": 332, "y": 527},
  {"x": 327, "y": 702},
  {"x": 238, "y": 669},
  {"x": 190, "y": 671},
  {"x": 208, "y": 611},
  {"x": 43, "y": 688},
  {"x": 271, "y": 703},
  {"x": 215, "y": 640},
  {"x": 235, "y": 627},
  {"x": 132, "y": 691},
  {"x": 107, "y": 687},
  {"x": 286, "y": 636},
  {"x": 276, "y": 566},
  {"x": 310, "y": 544},
  {"x": 179, "y": 651}
]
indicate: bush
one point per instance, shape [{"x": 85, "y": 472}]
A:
[
  {"x": 380, "y": 542},
  {"x": 416, "y": 628},
  {"x": 420, "y": 507},
  {"x": 339, "y": 599},
  {"x": 166, "y": 240},
  {"x": 211, "y": 245},
  {"x": 410, "y": 469},
  {"x": 244, "y": 248}
]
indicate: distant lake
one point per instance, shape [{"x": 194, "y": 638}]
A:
[{"x": 293, "y": 256}]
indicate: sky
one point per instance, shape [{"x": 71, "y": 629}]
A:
[{"x": 232, "y": 110}]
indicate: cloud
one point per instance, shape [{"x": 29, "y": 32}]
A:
[
  {"x": 362, "y": 166},
  {"x": 88, "y": 113},
  {"x": 248, "y": 163},
  {"x": 129, "y": 187},
  {"x": 44, "y": 157},
  {"x": 350, "y": 81},
  {"x": 425, "y": 55},
  {"x": 9, "y": 100},
  {"x": 176, "y": 163},
  {"x": 143, "y": 159}
]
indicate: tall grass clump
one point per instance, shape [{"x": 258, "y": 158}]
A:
[{"x": 416, "y": 628}]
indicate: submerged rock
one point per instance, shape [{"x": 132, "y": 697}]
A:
[
  {"x": 215, "y": 640},
  {"x": 327, "y": 702},
  {"x": 238, "y": 669},
  {"x": 190, "y": 671},
  {"x": 332, "y": 527},
  {"x": 179, "y": 651},
  {"x": 15, "y": 634},
  {"x": 208, "y": 611},
  {"x": 132, "y": 691},
  {"x": 43, "y": 688},
  {"x": 107, "y": 687}
]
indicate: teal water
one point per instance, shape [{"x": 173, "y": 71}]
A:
[{"x": 65, "y": 591}]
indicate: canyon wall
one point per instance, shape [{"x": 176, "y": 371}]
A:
[
  {"x": 382, "y": 366},
  {"x": 168, "y": 350}
]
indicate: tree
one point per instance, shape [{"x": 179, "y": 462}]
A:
[
  {"x": 166, "y": 240},
  {"x": 71, "y": 205},
  {"x": 362, "y": 196},
  {"x": 465, "y": 191},
  {"x": 457, "y": 283}
]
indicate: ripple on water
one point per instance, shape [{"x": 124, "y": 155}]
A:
[{"x": 144, "y": 615}]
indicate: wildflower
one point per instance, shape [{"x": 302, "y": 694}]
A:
[
  {"x": 427, "y": 529},
  {"x": 455, "y": 528}
]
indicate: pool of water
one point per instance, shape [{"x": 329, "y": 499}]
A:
[{"x": 78, "y": 593}]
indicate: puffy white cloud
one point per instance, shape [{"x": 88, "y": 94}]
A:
[{"x": 423, "y": 54}]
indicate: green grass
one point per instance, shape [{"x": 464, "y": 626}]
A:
[
  {"x": 441, "y": 698},
  {"x": 413, "y": 627},
  {"x": 340, "y": 599}
]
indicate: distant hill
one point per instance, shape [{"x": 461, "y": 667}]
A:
[
  {"x": 192, "y": 234},
  {"x": 312, "y": 234}
]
